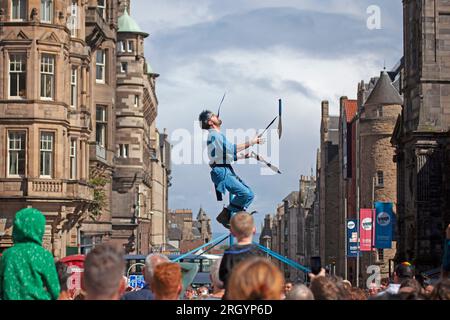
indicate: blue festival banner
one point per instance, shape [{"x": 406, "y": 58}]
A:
[
  {"x": 352, "y": 238},
  {"x": 384, "y": 221}
]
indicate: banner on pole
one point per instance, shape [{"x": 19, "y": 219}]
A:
[
  {"x": 384, "y": 220},
  {"x": 352, "y": 238},
  {"x": 365, "y": 229}
]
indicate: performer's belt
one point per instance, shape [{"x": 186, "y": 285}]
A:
[{"x": 215, "y": 165}]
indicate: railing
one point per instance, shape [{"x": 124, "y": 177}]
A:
[
  {"x": 50, "y": 186},
  {"x": 100, "y": 151}
]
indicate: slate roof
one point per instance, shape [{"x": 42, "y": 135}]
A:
[{"x": 384, "y": 92}]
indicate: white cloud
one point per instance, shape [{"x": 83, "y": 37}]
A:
[{"x": 254, "y": 79}]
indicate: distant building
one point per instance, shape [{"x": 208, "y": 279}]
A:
[
  {"x": 376, "y": 170},
  {"x": 331, "y": 232},
  {"x": 305, "y": 219},
  {"x": 186, "y": 233}
]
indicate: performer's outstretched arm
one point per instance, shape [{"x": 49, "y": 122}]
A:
[{"x": 248, "y": 144}]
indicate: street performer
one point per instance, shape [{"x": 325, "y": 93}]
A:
[{"x": 221, "y": 154}]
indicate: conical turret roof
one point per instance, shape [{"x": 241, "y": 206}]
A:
[
  {"x": 127, "y": 24},
  {"x": 384, "y": 92}
]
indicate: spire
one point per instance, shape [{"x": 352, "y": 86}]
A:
[{"x": 384, "y": 93}]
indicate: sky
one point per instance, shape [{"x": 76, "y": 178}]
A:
[{"x": 259, "y": 51}]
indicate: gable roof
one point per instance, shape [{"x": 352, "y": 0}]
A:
[{"x": 350, "y": 109}]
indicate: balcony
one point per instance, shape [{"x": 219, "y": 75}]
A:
[
  {"x": 97, "y": 29},
  {"x": 100, "y": 151},
  {"x": 45, "y": 189}
]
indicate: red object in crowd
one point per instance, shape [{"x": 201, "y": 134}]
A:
[{"x": 75, "y": 266}]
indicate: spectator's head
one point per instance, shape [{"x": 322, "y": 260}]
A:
[
  {"x": 300, "y": 292},
  {"x": 209, "y": 120},
  {"x": 151, "y": 262},
  {"x": 202, "y": 292},
  {"x": 167, "y": 281},
  {"x": 242, "y": 225},
  {"x": 403, "y": 271},
  {"x": 344, "y": 288},
  {"x": 410, "y": 286},
  {"x": 287, "y": 287},
  {"x": 357, "y": 294},
  {"x": 255, "y": 279},
  {"x": 323, "y": 288},
  {"x": 384, "y": 283},
  {"x": 441, "y": 290},
  {"x": 28, "y": 226},
  {"x": 103, "y": 273},
  {"x": 217, "y": 284},
  {"x": 63, "y": 275}
]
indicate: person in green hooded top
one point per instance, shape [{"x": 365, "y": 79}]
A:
[{"x": 27, "y": 270}]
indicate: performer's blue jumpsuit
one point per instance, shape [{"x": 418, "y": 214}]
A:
[{"x": 221, "y": 154}]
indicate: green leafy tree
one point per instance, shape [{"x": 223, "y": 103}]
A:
[{"x": 99, "y": 201}]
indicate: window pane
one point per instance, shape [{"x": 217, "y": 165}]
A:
[
  {"x": 22, "y": 84},
  {"x": 47, "y": 76},
  {"x": 46, "y": 156},
  {"x": 14, "y": 88},
  {"x": 73, "y": 88},
  {"x": 130, "y": 46},
  {"x": 18, "y": 9},
  {"x": 13, "y": 162},
  {"x": 21, "y": 166},
  {"x": 99, "y": 72},
  {"x": 16, "y": 153},
  {"x": 73, "y": 159},
  {"x": 17, "y": 75},
  {"x": 46, "y": 10}
]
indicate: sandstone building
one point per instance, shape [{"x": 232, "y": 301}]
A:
[
  {"x": 376, "y": 175},
  {"x": 60, "y": 133}
]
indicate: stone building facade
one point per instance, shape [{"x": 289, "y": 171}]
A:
[
  {"x": 265, "y": 238},
  {"x": 421, "y": 135},
  {"x": 331, "y": 240},
  {"x": 138, "y": 198},
  {"x": 347, "y": 197},
  {"x": 186, "y": 232},
  {"x": 376, "y": 171},
  {"x": 307, "y": 187},
  {"x": 58, "y": 107},
  {"x": 278, "y": 229}
]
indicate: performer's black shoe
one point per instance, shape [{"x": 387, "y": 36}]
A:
[{"x": 224, "y": 218}]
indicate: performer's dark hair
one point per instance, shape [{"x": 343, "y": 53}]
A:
[{"x": 204, "y": 117}]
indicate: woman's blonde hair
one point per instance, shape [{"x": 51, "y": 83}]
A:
[{"x": 255, "y": 279}]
